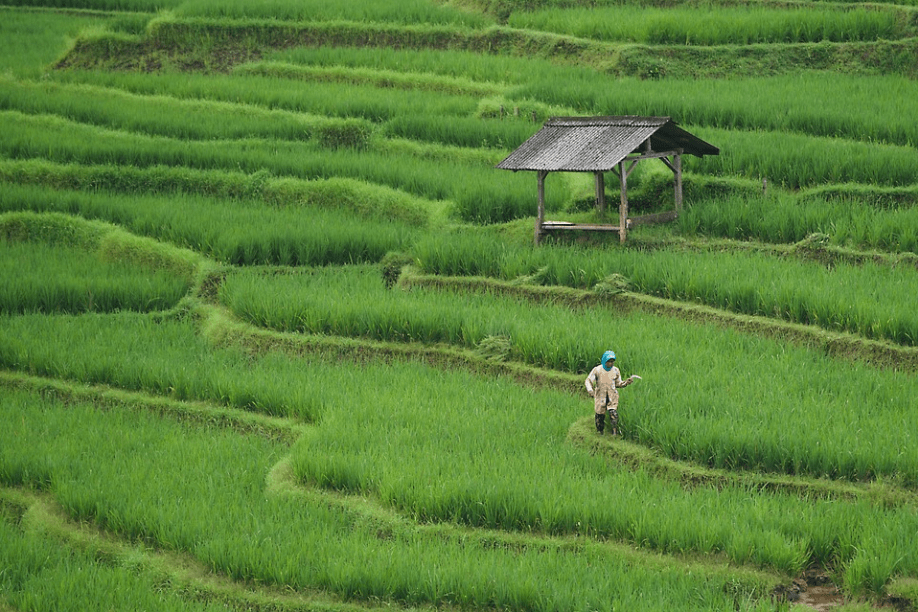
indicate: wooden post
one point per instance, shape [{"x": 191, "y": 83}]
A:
[
  {"x": 541, "y": 214},
  {"x": 623, "y": 207},
  {"x": 677, "y": 170},
  {"x": 601, "y": 193}
]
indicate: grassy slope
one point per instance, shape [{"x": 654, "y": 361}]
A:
[{"x": 227, "y": 48}]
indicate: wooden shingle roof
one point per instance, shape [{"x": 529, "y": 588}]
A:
[{"x": 598, "y": 144}]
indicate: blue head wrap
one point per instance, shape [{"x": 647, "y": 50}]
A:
[{"x": 606, "y": 358}]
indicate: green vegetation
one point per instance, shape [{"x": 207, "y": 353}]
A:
[
  {"x": 243, "y": 231},
  {"x": 274, "y": 334},
  {"x": 714, "y": 25},
  {"x": 749, "y": 428},
  {"x": 62, "y": 279}
]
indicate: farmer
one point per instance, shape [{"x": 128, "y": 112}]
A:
[{"x": 603, "y": 384}]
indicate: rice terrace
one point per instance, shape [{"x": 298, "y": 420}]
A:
[{"x": 276, "y": 335}]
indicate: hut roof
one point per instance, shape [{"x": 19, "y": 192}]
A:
[{"x": 598, "y": 144}]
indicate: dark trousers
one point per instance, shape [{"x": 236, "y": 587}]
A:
[{"x": 601, "y": 420}]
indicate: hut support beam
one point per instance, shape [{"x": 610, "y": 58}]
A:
[
  {"x": 601, "y": 193},
  {"x": 623, "y": 206},
  {"x": 622, "y": 171},
  {"x": 676, "y": 166},
  {"x": 677, "y": 162},
  {"x": 625, "y": 167},
  {"x": 541, "y": 214}
]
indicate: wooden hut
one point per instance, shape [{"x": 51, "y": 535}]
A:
[{"x": 605, "y": 144}]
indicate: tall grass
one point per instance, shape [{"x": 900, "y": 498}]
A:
[
  {"x": 480, "y": 193},
  {"x": 714, "y": 24},
  {"x": 783, "y": 218},
  {"x": 856, "y": 107},
  {"x": 357, "y": 198},
  {"x": 201, "y": 491},
  {"x": 160, "y": 356},
  {"x": 328, "y": 99},
  {"x": 33, "y": 39},
  {"x": 796, "y": 160},
  {"x": 42, "y": 574},
  {"x": 406, "y": 12},
  {"x": 706, "y": 417},
  {"x": 39, "y": 278},
  {"x": 236, "y": 231},
  {"x": 500, "y": 70},
  {"x": 749, "y": 283},
  {"x": 163, "y": 116}
]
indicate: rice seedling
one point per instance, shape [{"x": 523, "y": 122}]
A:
[
  {"x": 200, "y": 490},
  {"x": 405, "y": 112},
  {"x": 715, "y": 25},
  {"x": 141, "y": 6},
  {"x": 750, "y": 283},
  {"x": 408, "y": 12},
  {"x": 449, "y": 447},
  {"x": 855, "y": 107},
  {"x": 270, "y": 93},
  {"x": 359, "y": 199},
  {"x": 412, "y": 62},
  {"x": 33, "y": 39},
  {"x": 39, "y": 278},
  {"x": 709, "y": 420},
  {"x": 240, "y": 232},
  {"x": 166, "y": 357},
  {"x": 461, "y": 132},
  {"x": 784, "y": 218},
  {"x": 56, "y": 140},
  {"x": 40, "y": 573},
  {"x": 164, "y": 116},
  {"x": 398, "y": 79},
  {"x": 161, "y": 356},
  {"x": 795, "y": 161}
]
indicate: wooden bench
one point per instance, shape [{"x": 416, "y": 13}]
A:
[{"x": 567, "y": 226}]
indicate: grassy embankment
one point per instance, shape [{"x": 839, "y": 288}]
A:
[{"x": 368, "y": 143}]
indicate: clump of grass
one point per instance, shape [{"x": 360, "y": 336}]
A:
[
  {"x": 108, "y": 242},
  {"x": 480, "y": 193},
  {"x": 360, "y": 198},
  {"x": 236, "y": 231},
  {"x": 720, "y": 25},
  {"x": 219, "y": 514},
  {"x": 757, "y": 284},
  {"x": 64, "y": 279}
]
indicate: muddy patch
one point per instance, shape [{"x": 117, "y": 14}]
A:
[
  {"x": 821, "y": 597},
  {"x": 814, "y": 590}
]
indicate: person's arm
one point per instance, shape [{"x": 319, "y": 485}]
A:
[{"x": 589, "y": 381}]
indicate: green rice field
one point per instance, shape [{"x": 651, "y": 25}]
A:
[{"x": 275, "y": 334}]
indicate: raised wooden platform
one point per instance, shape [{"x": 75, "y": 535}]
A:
[
  {"x": 550, "y": 226},
  {"x": 568, "y": 226}
]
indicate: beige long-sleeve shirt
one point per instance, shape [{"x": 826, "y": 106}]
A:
[{"x": 603, "y": 386}]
